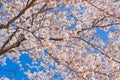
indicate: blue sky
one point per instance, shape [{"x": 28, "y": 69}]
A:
[{"x": 13, "y": 70}]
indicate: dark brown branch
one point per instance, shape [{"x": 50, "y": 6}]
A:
[
  {"x": 27, "y": 2},
  {"x": 36, "y": 14},
  {"x": 55, "y": 39},
  {"x": 40, "y": 10},
  {"x": 109, "y": 25},
  {"x": 20, "y": 39},
  {"x": 39, "y": 24},
  {"x": 103, "y": 10},
  {"x": 21, "y": 28},
  {"x": 98, "y": 26},
  {"x": 103, "y": 53},
  {"x": 8, "y": 39},
  {"x": 101, "y": 73},
  {"x": 2, "y": 26},
  {"x": 39, "y": 39},
  {"x": 95, "y": 47},
  {"x": 21, "y": 13}
]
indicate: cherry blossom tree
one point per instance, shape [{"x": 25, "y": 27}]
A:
[{"x": 62, "y": 33}]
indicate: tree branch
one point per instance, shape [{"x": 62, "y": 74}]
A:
[
  {"x": 98, "y": 26},
  {"x": 21, "y": 38},
  {"x": 103, "y": 10},
  {"x": 21, "y": 13},
  {"x": 8, "y": 39},
  {"x": 103, "y": 53}
]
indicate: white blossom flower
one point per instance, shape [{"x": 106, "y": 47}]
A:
[
  {"x": 79, "y": 27},
  {"x": 115, "y": 67},
  {"x": 4, "y": 78},
  {"x": 83, "y": 68},
  {"x": 47, "y": 23},
  {"x": 65, "y": 35},
  {"x": 110, "y": 35},
  {"x": 28, "y": 35},
  {"x": 30, "y": 75},
  {"x": 37, "y": 48}
]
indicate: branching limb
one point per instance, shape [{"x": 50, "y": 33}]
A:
[
  {"x": 19, "y": 15},
  {"x": 20, "y": 39},
  {"x": 102, "y": 10},
  {"x": 98, "y": 26},
  {"x": 103, "y": 53},
  {"x": 8, "y": 39}
]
